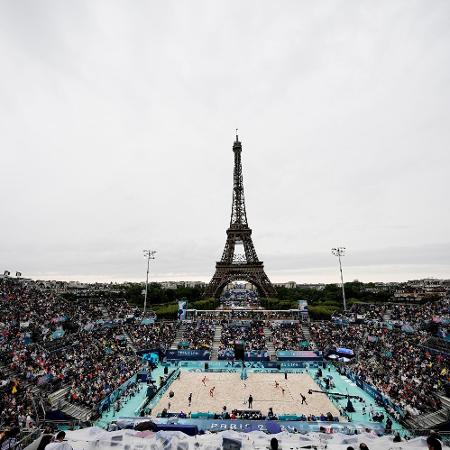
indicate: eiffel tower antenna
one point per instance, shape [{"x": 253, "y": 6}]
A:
[{"x": 234, "y": 266}]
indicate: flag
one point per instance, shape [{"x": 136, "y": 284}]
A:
[
  {"x": 182, "y": 307},
  {"x": 7, "y": 273},
  {"x": 18, "y": 274}
]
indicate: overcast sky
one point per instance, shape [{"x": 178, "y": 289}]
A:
[{"x": 117, "y": 122}]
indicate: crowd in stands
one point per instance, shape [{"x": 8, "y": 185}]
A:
[
  {"x": 251, "y": 332},
  {"x": 416, "y": 315},
  {"x": 288, "y": 336},
  {"x": 147, "y": 337},
  {"x": 391, "y": 360},
  {"x": 89, "y": 345},
  {"x": 47, "y": 342},
  {"x": 198, "y": 334}
]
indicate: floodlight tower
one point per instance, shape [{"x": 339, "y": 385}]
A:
[
  {"x": 340, "y": 251},
  {"x": 149, "y": 254}
]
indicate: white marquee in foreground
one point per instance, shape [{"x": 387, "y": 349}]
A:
[{"x": 99, "y": 439}]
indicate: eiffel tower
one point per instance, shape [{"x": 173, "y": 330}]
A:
[{"x": 234, "y": 266}]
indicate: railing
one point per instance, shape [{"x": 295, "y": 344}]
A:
[
  {"x": 113, "y": 396},
  {"x": 26, "y": 438},
  {"x": 72, "y": 423},
  {"x": 162, "y": 390},
  {"x": 441, "y": 416},
  {"x": 445, "y": 435}
]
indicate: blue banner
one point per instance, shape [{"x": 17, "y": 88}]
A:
[
  {"x": 266, "y": 425},
  {"x": 252, "y": 355},
  {"x": 182, "y": 307},
  {"x": 298, "y": 355},
  {"x": 344, "y": 351},
  {"x": 194, "y": 355},
  {"x": 151, "y": 357},
  {"x": 372, "y": 391},
  {"x": 303, "y": 306}
]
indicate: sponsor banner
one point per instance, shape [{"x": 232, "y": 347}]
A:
[
  {"x": 258, "y": 366},
  {"x": 194, "y": 355},
  {"x": 267, "y": 426},
  {"x": 299, "y": 355},
  {"x": 300, "y": 364},
  {"x": 252, "y": 355},
  {"x": 256, "y": 356}
]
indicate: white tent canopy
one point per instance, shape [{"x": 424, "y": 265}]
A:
[{"x": 99, "y": 439}]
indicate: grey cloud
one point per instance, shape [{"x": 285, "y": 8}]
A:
[{"x": 116, "y": 125}]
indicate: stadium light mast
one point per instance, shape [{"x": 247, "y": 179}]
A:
[
  {"x": 149, "y": 254},
  {"x": 340, "y": 251}
]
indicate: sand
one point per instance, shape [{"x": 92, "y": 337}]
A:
[{"x": 232, "y": 392}]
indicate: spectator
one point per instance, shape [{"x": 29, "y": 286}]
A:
[
  {"x": 433, "y": 443},
  {"x": 59, "y": 443},
  {"x": 274, "y": 444}
]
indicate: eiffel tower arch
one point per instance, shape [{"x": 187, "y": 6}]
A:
[{"x": 233, "y": 265}]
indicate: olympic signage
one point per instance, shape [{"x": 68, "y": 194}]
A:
[
  {"x": 291, "y": 426},
  {"x": 188, "y": 355},
  {"x": 298, "y": 355}
]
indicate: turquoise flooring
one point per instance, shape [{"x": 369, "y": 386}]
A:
[
  {"x": 130, "y": 406},
  {"x": 343, "y": 385}
]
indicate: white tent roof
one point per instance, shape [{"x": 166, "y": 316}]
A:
[{"x": 99, "y": 439}]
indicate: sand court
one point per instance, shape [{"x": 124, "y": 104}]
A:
[{"x": 232, "y": 392}]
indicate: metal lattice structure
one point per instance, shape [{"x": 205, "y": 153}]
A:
[{"x": 234, "y": 266}]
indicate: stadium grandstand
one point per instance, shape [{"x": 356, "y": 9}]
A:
[{"x": 98, "y": 368}]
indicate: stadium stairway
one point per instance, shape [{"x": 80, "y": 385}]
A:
[
  {"x": 55, "y": 398},
  {"x": 58, "y": 400},
  {"x": 431, "y": 420},
  {"x": 445, "y": 401},
  {"x": 130, "y": 342},
  {"x": 6, "y": 372},
  {"x": 216, "y": 342},
  {"x": 306, "y": 333},
  {"x": 269, "y": 344},
  {"x": 178, "y": 337},
  {"x": 427, "y": 421},
  {"x": 57, "y": 345}
]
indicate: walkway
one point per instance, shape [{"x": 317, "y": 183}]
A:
[
  {"x": 269, "y": 344},
  {"x": 130, "y": 407},
  {"x": 431, "y": 420},
  {"x": 58, "y": 400},
  {"x": 216, "y": 342},
  {"x": 344, "y": 385},
  {"x": 178, "y": 337}
]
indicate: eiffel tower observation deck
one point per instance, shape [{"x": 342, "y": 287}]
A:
[{"x": 239, "y": 259}]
